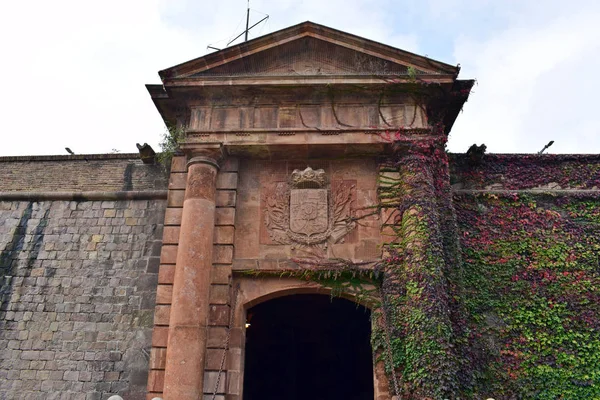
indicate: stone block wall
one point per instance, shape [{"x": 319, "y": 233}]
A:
[
  {"x": 90, "y": 172},
  {"x": 78, "y": 283},
  {"x": 78, "y": 275}
]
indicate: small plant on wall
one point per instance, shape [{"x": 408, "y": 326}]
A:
[{"x": 169, "y": 145}]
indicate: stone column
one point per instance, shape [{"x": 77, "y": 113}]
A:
[
  {"x": 415, "y": 287},
  {"x": 186, "y": 347}
]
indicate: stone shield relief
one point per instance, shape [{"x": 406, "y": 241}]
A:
[{"x": 308, "y": 212}]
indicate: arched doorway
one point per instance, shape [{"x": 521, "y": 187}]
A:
[{"x": 308, "y": 346}]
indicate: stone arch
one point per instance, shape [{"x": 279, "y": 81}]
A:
[
  {"x": 284, "y": 287},
  {"x": 251, "y": 291}
]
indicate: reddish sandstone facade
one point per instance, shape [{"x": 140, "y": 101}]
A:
[{"x": 301, "y": 116}]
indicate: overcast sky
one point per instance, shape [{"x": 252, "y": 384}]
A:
[{"x": 73, "y": 71}]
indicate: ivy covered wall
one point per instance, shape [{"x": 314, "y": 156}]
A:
[
  {"x": 526, "y": 171},
  {"x": 531, "y": 275}
]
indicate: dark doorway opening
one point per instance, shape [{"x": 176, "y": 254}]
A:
[{"x": 303, "y": 347}]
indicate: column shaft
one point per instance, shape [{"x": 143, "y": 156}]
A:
[
  {"x": 415, "y": 287},
  {"x": 186, "y": 347}
]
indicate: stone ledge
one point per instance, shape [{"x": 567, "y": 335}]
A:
[
  {"x": 84, "y": 196},
  {"x": 283, "y": 265},
  {"x": 81, "y": 157},
  {"x": 548, "y": 192}
]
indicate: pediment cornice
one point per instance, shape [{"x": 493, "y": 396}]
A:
[{"x": 324, "y": 51}]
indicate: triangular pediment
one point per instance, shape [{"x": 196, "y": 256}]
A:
[
  {"x": 307, "y": 56},
  {"x": 308, "y": 49}
]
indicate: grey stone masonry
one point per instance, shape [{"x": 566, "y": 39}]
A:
[
  {"x": 77, "y": 293},
  {"x": 90, "y": 172}
]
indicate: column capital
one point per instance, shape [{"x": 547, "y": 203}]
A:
[
  {"x": 203, "y": 160},
  {"x": 211, "y": 154}
]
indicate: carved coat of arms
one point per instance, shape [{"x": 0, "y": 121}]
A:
[{"x": 306, "y": 212}]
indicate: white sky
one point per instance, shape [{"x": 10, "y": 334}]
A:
[{"x": 74, "y": 71}]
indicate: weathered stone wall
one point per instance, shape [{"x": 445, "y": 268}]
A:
[
  {"x": 78, "y": 278},
  {"x": 77, "y": 297},
  {"x": 91, "y": 172}
]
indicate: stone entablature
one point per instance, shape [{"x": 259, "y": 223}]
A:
[{"x": 302, "y": 117}]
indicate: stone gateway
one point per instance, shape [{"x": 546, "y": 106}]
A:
[{"x": 312, "y": 239}]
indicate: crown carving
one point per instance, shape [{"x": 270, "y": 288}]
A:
[{"x": 309, "y": 178}]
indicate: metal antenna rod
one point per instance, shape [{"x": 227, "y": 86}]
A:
[
  {"x": 236, "y": 38},
  {"x": 245, "y": 32},
  {"x": 247, "y": 22}
]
